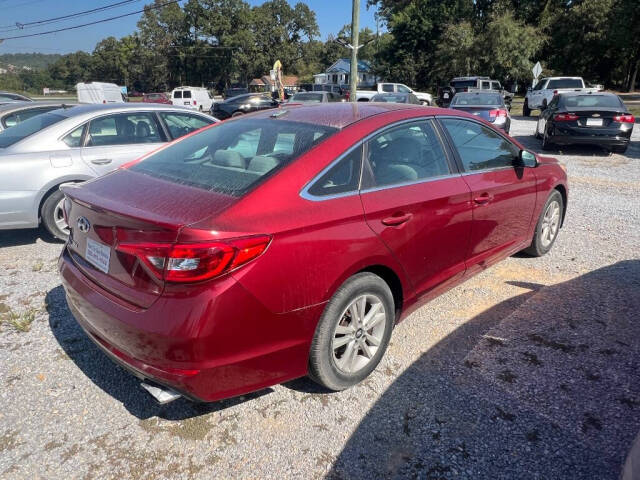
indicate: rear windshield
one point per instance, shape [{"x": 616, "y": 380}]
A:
[
  {"x": 565, "y": 83},
  {"x": 307, "y": 97},
  {"x": 607, "y": 101},
  {"x": 463, "y": 83},
  {"x": 28, "y": 127},
  {"x": 477, "y": 99},
  {"x": 398, "y": 98},
  {"x": 233, "y": 157}
]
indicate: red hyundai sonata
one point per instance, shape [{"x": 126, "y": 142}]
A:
[{"x": 290, "y": 242}]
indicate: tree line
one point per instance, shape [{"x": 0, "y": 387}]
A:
[{"x": 217, "y": 43}]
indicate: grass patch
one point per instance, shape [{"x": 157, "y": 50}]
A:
[
  {"x": 37, "y": 266},
  {"x": 20, "y": 321}
]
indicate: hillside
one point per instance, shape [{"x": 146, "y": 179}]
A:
[{"x": 37, "y": 61}]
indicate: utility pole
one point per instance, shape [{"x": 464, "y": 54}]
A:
[{"x": 355, "y": 30}]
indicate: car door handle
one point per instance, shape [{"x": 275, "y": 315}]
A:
[
  {"x": 101, "y": 161},
  {"x": 483, "y": 199},
  {"x": 396, "y": 220}
]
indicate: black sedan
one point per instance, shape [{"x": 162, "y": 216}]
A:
[
  {"x": 241, "y": 104},
  {"x": 396, "y": 97},
  {"x": 489, "y": 106},
  {"x": 579, "y": 118}
]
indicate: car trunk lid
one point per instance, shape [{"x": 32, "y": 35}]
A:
[
  {"x": 129, "y": 207},
  {"x": 594, "y": 118}
]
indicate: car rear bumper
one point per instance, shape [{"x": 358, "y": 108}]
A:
[
  {"x": 216, "y": 343},
  {"x": 601, "y": 140}
]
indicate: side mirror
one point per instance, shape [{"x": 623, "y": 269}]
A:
[{"x": 528, "y": 159}]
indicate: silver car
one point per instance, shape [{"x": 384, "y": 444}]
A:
[
  {"x": 77, "y": 144},
  {"x": 13, "y": 113}
]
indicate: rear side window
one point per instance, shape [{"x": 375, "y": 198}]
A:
[
  {"x": 485, "y": 85},
  {"x": 186, "y": 94},
  {"x": 343, "y": 177},
  {"x": 233, "y": 157},
  {"x": 565, "y": 83},
  {"x": 495, "y": 85},
  {"x": 27, "y": 128},
  {"x": 180, "y": 124},
  {"x": 406, "y": 153},
  {"x": 480, "y": 148},
  {"x": 606, "y": 101},
  {"x": 74, "y": 139},
  {"x": 13, "y": 119},
  {"x": 123, "y": 129}
]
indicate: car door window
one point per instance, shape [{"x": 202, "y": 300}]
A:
[
  {"x": 403, "y": 89},
  {"x": 387, "y": 87},
  {"x": 495, "y": 85},
  {"x": 479, "y": 147},
  {"x": 343, "y": 177},
  {"x": 186, "y": 94},
  {"x": 74, "y": 139},
  {"x": 406, "y": 153},
  {"x": 180, "y": 124},
  {"x": 485, "y": 85},
  {"x": 123, "y": 129}
]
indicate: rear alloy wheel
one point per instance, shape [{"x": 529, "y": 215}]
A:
[
  {"x": 548, "y": 225},
  {"x": 526, "y": 111},
  {"x": 353, "y": 332},
  {"x": 237, "y": 114},
  {"x": 52, "y": 215}
]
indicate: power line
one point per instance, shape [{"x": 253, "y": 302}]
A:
[
  {"x": 38, "y": 23},
  {"x": 153, "y": 7}
]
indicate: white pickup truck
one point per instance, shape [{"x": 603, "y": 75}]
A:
[
  {"x": 366, "y": 95},
  {"x": 540, "y": 96}
]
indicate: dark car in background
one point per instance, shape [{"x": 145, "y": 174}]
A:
[
  {"x": 235, "y": 91},
  {"x": 241, "y": 104},
  {"x": 9, "y": 97},
  {"x": 12, "y": 114},
  {"x": 489, "y": 106},
  {"x": 157, "y": 98},
  {"x": 584, "y": 118},
  {"x": 396, "y": 97}
]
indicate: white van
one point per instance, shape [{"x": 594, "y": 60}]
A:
[
  {"x": 197, "y": 98},
  {"x": 99, "y": 92}
]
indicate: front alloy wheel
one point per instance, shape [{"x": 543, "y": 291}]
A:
[{"x": 548, "y": 225}]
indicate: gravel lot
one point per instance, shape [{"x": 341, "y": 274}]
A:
[{"x": 529, "y": 370}]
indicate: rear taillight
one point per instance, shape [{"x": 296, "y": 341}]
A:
[
  {"x": 624, "y": 118},
  {"x": 195, "y": 103},
  {"x": 498, "y": 113},
  {"x": 195, "y": 262},
  {"x": 555, "y": 92},
  {"x": 565, "y": 117}
]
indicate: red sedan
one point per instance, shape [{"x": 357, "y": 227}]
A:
[{"x": 290, "y": 242}]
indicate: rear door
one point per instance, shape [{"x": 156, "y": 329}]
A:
[
  {"x": 503, "y": 195},
  {"x": 113, "y": 140},
  {"x": 416, "y": 204}
]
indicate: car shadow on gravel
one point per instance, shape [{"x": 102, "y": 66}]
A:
[
  {"x": 543, "y": 385},
  {"x": 115, "y": 380},
  {"x": 534, "y": 144},
  {"x": 15, "y": 238}
]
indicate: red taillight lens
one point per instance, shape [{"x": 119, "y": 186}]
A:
[
  {"x": 624, "y": 118},
  {"x": 195, "y": 103},
  {"x": 565, "y": 117},
  {"x": 498, "y": 113},
  {"x": 555, "y": 92},
  {"x": 195, "y": 262}
]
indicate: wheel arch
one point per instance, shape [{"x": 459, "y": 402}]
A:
[
  {"x": 392, "y": 279},
  {"x": 563, "y": 191},
  {"x": 53, "y": 186}
]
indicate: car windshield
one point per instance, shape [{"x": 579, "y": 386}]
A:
[
  {"x": 233, "y": 157},
  {"x": 565, "y": 83},
  {"x": 397, "y": 98},
  {"x": 477, "y": 99},
  {"x": 28, "y": 127},
  {"x": 606, "y": 101},
  {"x": 307, "y": 97}
]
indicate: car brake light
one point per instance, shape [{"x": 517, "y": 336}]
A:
[
  {"x": 195, "y": 262},
  {"x": 565, "y": 117},
  {"x": 555, "y": 92},
  {"x": 195, "y": 103},
  {"x": 498, "y": 113},
  {"x": 627, "y": 118}
]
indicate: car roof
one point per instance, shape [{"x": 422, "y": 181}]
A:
[
  {"x": 337, "y": 115},
  {"x": 87, "y": 108}
]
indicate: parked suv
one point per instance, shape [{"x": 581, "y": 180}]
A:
[{"x": 471, "y": 84}]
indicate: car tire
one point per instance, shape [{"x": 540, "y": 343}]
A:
[
  {"x": 537, "y": 134},
  {"x": 343, "y": 350},
  {"x": 548, "y": 225},
  {"x": 526, "y": 111},
  {"x": 619, "y": 149},
  {"x": 51, "y": 215},
  {"x": 425, "y": 103},
  {"x": 544, "y": 105},
  {"x": 237, "y": 114}
]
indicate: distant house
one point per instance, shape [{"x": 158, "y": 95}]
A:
[
  {"x": 338, "y": 74},
  {"x": 265, "y": 84},
  {"x": 3, "y": 71}
]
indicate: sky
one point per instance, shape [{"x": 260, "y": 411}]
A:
[{"x": 331, "y": 16}]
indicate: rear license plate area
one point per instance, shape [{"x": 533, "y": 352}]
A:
[
  {"x": 594, "y": 122},
  {"x": 98, "y": 254}
]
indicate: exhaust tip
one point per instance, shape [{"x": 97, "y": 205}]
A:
[{"x": 160, "y": 394}]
